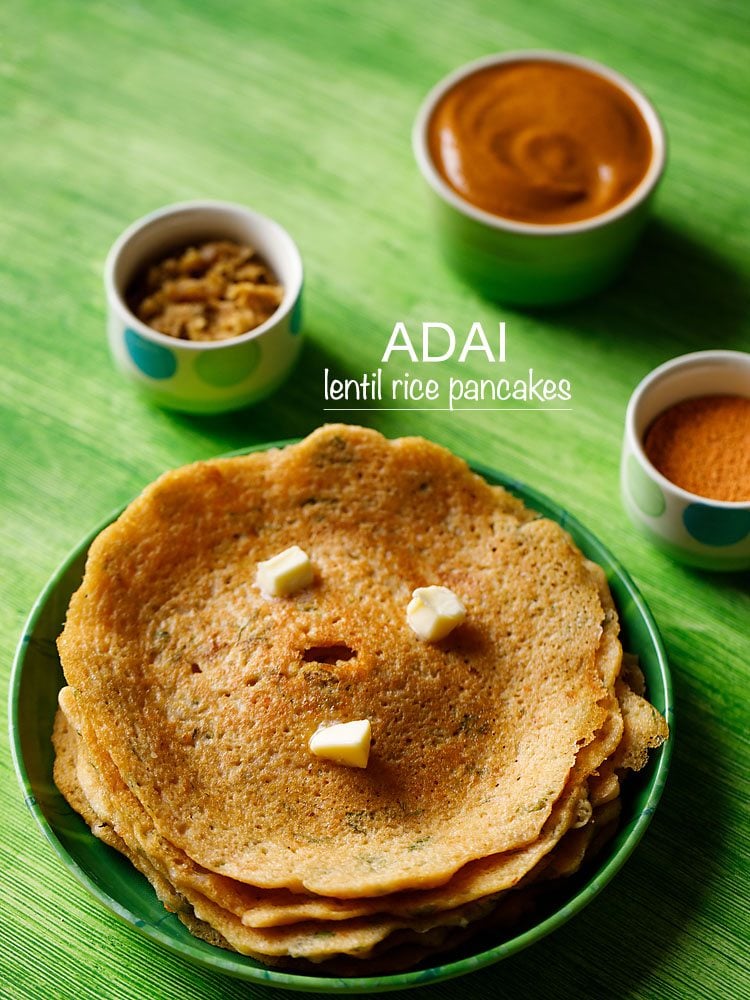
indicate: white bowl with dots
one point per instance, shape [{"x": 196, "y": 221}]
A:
[
  {"x": 203, "y": 376},
  {"x": 702, "y": 532}
]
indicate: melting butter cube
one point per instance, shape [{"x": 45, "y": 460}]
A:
[
  {"x": 433, "y": 612},
  {"x": 344, "y": 743},
  {"x": 281, "y": 575}
]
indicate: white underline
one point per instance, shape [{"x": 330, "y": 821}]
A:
[{"x": 444, "y": 409}]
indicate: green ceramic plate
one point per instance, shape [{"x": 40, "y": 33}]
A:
[{"x": 37, "y": 677}]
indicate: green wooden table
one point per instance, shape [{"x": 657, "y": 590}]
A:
[{"x": 304, "y": 111}]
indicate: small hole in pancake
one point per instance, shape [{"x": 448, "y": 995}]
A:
[
  {"x": 328, "y": 654},
  {"x": 196, "y": 669}
]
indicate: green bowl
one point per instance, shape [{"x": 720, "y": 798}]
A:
[{"x": 37, "y": 678}]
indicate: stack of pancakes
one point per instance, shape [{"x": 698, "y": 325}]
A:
[{"x": 497, "y": 752}]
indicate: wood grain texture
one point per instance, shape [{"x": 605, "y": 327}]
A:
[{"x": 108, "y": 110}]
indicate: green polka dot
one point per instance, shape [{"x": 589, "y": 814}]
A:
[
  {"x": 228, "y": 367},
  {"x": 645, "y": 493},
  {"x": 716, "y": 525}
]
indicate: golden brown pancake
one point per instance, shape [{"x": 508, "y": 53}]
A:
[
  {"x": 644, "y": 729},
  {"x": 497, "y": 752},
  {"x": 269, "y": 908},
  {"x": 205, "y": 693},
  {"x": 66, "y": 778},
  {"x": 259, "y": 908},
  {"x": 360, "y": 940},
  {"x": 313, "y": 941}
]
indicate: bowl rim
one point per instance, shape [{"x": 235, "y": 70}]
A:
[
  {"x": 226, "y": 962},
  {"x": 117, "y": 302},
  {"x": 656, "y": 376},
  {"x": 639, "y": 194}
]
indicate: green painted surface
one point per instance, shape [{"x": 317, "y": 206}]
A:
[{"x": 303, "y": 111}]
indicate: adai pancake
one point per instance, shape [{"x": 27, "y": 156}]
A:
[
  {"x": 205, "y": 693},
  {"x": 644, "y": 729},
  {"x": 313, "y": 941},
  {"x": 269, "y": 908},
  {"x": 65, "y": 773},
  {"x": 258, "y": 908}
]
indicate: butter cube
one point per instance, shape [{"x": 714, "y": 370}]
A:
[
  {"x": 433, "y": 612},
  {"x": 344, "y": 743},
  {"x": 281, "y": 575}
]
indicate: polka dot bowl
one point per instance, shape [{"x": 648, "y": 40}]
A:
[
  {"x": 203, "y": 376},
  {"x": 708, "y": 534}
]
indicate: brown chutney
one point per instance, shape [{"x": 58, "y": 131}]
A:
[{"x": 540, "y": 142}]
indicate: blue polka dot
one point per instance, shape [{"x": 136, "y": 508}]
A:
[
  {"x": 152, "y": 359},
  {"x": 295, "y": 323},
  {"x": 716, "y": 525}
]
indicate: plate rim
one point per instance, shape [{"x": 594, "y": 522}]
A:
[{"x": 229, "y": 963}]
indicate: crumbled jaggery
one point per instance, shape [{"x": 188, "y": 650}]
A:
[{"x": 213, "y": 291}]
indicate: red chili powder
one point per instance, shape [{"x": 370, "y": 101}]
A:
[{"x": 703, "y": 445}]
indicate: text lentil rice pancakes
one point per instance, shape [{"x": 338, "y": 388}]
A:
[{"x": 497, "y": 752}]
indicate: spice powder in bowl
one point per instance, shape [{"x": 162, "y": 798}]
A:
[
  {"x": 702, "y": 445},
  {"x": 213, "y": 291}
]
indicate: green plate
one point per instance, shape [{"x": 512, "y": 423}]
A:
[{"x": 37, "y": 678}]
